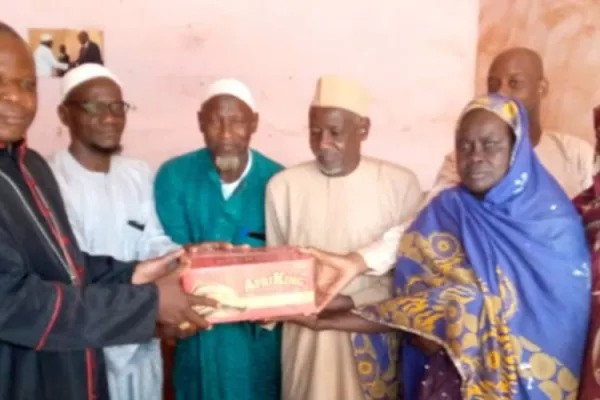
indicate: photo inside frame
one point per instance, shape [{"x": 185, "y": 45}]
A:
[{"x": 57, "y": 50}]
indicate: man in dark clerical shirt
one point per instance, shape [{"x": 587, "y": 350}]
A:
[{"x": 59, "y": 306}]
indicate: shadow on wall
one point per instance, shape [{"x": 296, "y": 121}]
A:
[{"x": 567, "y": 36}]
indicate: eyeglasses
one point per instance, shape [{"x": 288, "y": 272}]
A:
[{"x": 118, "y": 108}]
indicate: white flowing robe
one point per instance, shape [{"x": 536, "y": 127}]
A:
[{"x": 113, "y": 214}]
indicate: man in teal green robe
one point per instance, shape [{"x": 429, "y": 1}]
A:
[{"x": 218, "y": 194}]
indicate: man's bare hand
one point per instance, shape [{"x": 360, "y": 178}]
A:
[
  {"x": 150, "y": 270},
  {"x": 175, "y": 307},
  {"x": 307, "y": 321},
  {"x": 334, "y": 272}
]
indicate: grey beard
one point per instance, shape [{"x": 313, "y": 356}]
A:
[
  {"x": 330, "y": 171},
  {"x": 227, "y": 163}
]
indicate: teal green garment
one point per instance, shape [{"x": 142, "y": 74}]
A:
[{"x": 239, "y": 361}]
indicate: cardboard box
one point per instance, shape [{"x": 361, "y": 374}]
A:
[{"x": 254, "y": 284}]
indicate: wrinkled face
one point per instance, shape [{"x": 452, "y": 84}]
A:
[
  {"x": 95, "y": 114},
  {"x": 484, "y": 145},
  {"x": 227, "y": 124},
  {"x": 516, "y": 76},
  {"x": 335, "y": 139},
  {"x": 18, "y": 94}
]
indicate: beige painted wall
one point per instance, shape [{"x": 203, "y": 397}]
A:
[{"x": 567, "y": 35}]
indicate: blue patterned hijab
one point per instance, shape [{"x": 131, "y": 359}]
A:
[{"x": 501, "y": 283}]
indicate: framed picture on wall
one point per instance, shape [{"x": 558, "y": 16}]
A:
[{"x": 55, "y": 51}]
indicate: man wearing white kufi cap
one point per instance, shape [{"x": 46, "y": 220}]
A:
[
  {"x": 217, "y": 193},
  {"x": 338, "y": 202},
  {"x": 45, "y": 61},
  {"x": 110, "y": 205}
]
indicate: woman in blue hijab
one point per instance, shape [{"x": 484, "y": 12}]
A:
[{"x": 492, "y": 286}]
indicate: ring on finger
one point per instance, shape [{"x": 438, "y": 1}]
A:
[{"x": 184, "y": 326}]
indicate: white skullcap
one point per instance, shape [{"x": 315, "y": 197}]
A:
[
  {"x": 45, "y": 37},
  {"x": 231, "y": 87},
  {"x": 82, "y": 74}
]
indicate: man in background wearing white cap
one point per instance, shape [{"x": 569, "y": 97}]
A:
[
  {"x": 110, "y": 205},
  {"x": 218, "y": 193},
  {"x": 45, "y": 61},
  {"x": 338, "y": 202}
]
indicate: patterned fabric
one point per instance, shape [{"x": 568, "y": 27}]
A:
[
  {"x": 588, "y": 205},
  {"x": 238, "y": 361},
  {"x": 441, "y": 382},
  {"x": 502, "y": 284}
]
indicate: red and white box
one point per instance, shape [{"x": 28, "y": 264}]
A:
[{"x": 253, "y": 284}]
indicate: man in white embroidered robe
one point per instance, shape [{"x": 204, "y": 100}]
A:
[
  {"x": 110, "y": 205},
  {"x": 339, "y": 202}
]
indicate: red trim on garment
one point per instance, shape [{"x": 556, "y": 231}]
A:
[
  {"x": 48, "y": 216},
  {"x": 78, "y": 272},
  {"x": 53, "y": 317},
  {"x": 89, "y": 360}
]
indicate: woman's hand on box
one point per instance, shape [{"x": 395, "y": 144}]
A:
[{"x": 333, "y": 273}]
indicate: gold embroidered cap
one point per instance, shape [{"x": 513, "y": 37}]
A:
[{"x": 340, "y": 92}]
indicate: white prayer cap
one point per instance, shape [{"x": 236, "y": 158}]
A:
[
  {"x": 82, "y": 74},
  {"x": 231, "y": 87},
  {"x": 45, "y": 37}
]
